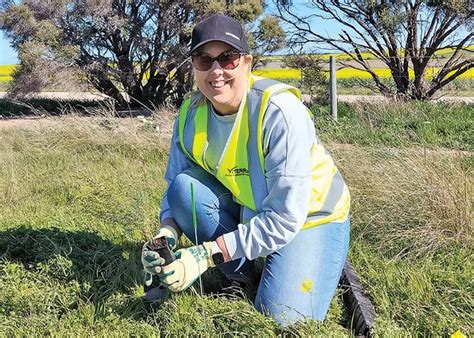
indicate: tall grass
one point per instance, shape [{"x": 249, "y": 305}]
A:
[
  {"x": 399, "y": 124},
  {"x": 78, "y": 196},
  {"x": 412, "y": 235},
  {"x": 47, "y": 106},
  {"x": 420, "y": 199}
]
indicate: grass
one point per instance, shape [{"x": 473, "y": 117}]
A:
[
  {"x": 78, "y": 196},
  {"x": 77, "y": 199},
  {"x": 399, "y": 125},
  {"x": 412, "y": 239},
  {"x": 47, "y": 106}
]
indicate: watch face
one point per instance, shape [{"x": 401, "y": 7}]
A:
[{"x": 218, "y": 258}]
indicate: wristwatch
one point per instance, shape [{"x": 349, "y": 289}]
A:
[{"x": 217, "y": 256}]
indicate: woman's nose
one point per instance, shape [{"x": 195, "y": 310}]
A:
[{"x": 215, "y": 66}]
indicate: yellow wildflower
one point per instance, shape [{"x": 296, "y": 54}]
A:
[{"x": 307, "y": 285}]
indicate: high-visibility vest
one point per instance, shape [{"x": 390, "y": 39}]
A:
[{"x": 241, "y": 168}]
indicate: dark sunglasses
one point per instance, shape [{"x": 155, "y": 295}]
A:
[{"x": 227, "y": 60}]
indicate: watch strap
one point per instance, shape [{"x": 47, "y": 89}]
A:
[{"x": 215, "y": 255}]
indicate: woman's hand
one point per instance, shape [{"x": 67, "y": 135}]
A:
[
  {"x": 152, "y": 263},
  {"x": 170, "y": 231},
  {"x": 189, "y": 265},
  {"x": 151, "y": 260}
]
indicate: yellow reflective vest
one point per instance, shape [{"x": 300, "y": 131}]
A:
[{"x": 241, "y": 168}]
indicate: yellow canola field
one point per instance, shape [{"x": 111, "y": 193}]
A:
[
  {"x": 279, "y": 73},
  {"x": 6, "y": 72},
  {"x": 289, "y": 73},
  {"x": 371, "y": 56},
  {"x": 345, "y": 73}
]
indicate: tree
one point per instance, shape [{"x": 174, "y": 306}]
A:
[
  {"x": 406, "y": 36},
  {"x": 133, "y": 47},
  {"x": 313, "y": 79},
  {"x": 267, "y": 38}
]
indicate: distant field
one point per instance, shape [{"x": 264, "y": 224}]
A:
[
  {"x": 345, "y": 73},
  {"x": 289, "y": 73},
  {"x": 6, "y": 72},
  {"x": 365, "y": 55},
  {"x": 279, "y": 73}
]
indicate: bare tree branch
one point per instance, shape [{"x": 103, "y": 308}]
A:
[{"x": 403, "y": 35}]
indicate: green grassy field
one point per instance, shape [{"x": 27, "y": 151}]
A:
[{"x": 78, "y": 196}]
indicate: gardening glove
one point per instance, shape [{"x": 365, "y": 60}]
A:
[
  {"x": 151, "y": 260},
  {"x": 170, "y": 234},
  {"x": 190, "y": 263}
]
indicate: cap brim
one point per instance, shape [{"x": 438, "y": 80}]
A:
[{"x": 202, "y": 43}]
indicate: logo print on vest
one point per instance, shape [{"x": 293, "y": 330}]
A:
[{"x": 235, "y": 171}]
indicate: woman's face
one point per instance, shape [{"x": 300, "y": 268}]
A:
[{"x": 225, "y": 88}]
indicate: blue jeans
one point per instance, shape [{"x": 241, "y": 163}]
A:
[{"x": 298, "y": 281}]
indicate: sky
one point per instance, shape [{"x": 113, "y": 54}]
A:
[{"x": 9, "y": 56}]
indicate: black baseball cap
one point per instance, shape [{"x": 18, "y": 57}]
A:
[{"x": 219, "y": 27}]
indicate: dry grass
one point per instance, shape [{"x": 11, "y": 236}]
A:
[
  {"x": 411, "y": 202},
  {"x": 79, "y": 195},
  {"x": 77, "y": 199}
]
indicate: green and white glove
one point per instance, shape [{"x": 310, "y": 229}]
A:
[
  {"x": 170, "y": 234},
  {"x": 151, "y": 260},
  {"x": 190, "y": 263},
  {"x": 152, "y": 263}
]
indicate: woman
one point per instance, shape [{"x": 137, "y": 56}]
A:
[{"x": 264, "y": 185}]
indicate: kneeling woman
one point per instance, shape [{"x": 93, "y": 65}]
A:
[{"x": 264, "y": 184}]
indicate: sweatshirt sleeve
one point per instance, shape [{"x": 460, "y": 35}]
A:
[
  {"x": 177, "y": 162},
  {"x": 288, "y": 137}
]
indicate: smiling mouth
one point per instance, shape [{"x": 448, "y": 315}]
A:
[{"x": 219, "y": 84}]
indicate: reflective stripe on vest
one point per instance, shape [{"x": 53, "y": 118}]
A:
[
  {"x": 329, "y": 196},
  {"x": 233, "y": 167}
]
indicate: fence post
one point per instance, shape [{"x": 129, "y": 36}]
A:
[{"x": 332, "y": 87}]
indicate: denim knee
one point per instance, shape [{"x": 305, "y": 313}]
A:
[
  {"x": 179, "y": 199},
  {"x": 179, "y": 191},
  {"x": 216, "y": 212}
]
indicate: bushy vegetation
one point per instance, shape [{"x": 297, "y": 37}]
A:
[{"x": 78, "y": 196}]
